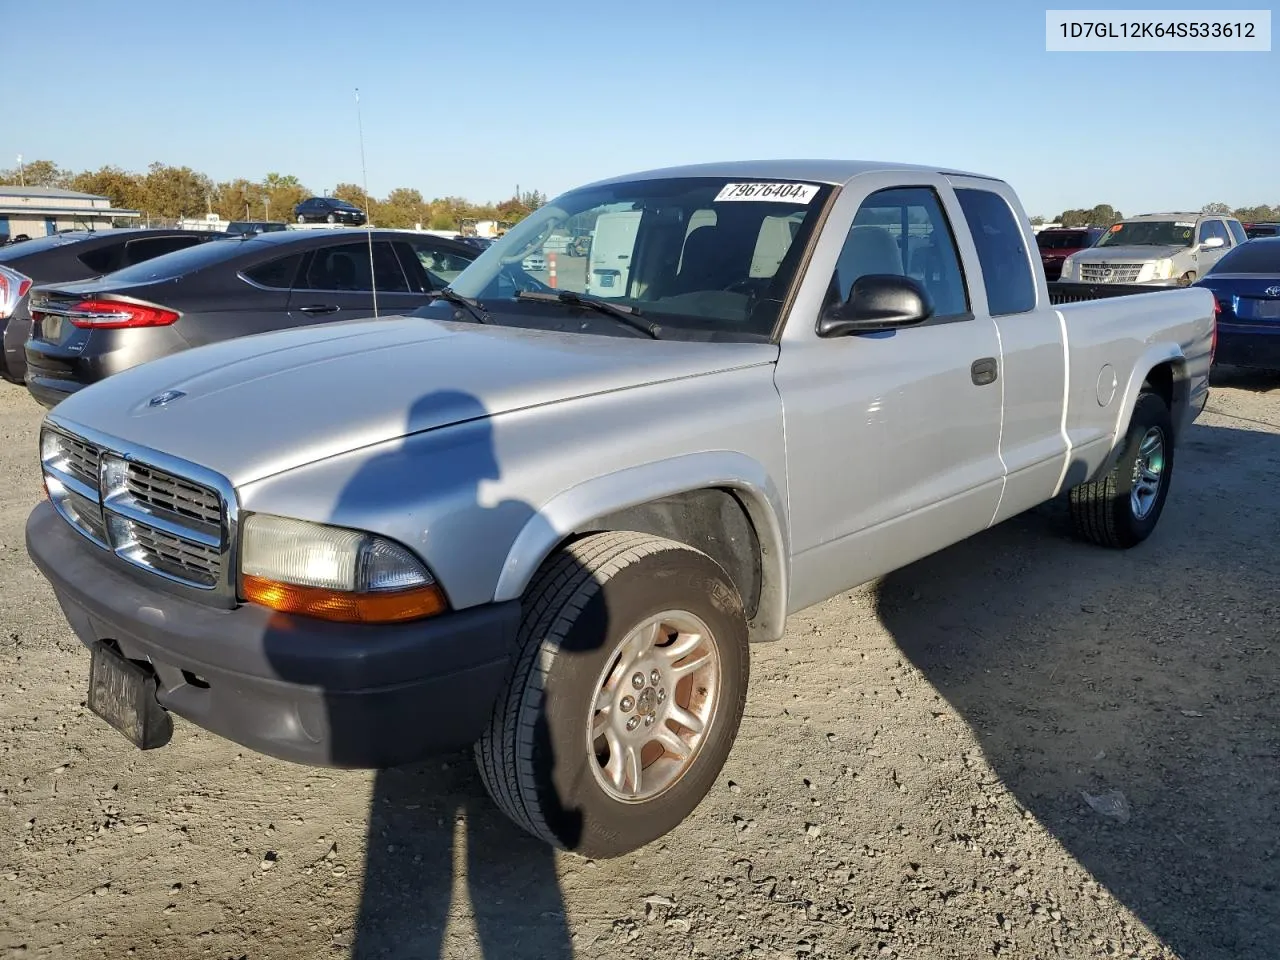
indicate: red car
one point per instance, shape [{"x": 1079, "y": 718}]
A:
[{"x": 1058, "y": 243}]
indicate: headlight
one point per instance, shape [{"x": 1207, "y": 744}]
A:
[
  {"x": 333, "y": 573},
  {"x": 1067, "y": 266},
  {"x": 1162, "y": 269}
]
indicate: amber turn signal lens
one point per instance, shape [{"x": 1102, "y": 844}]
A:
[{"x": 389, "y": 607}]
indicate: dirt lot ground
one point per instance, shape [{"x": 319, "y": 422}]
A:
[{"x": 910, "y": 780}]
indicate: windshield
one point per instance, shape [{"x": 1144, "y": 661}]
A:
[
  {"x": 1149, "y": 233},
  {"x": 1062, "y": 240},
  {"x": 1256, "y": 256},
  {"x": 703, "y": 257}
]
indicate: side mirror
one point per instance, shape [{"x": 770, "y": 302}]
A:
[
  {"x": 1211, "y": 243},
  {"x": 878, "y": 301}
]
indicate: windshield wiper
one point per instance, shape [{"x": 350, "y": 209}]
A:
[
  {"x": 472, "y": 306},
  {"x": 628, "y": 316}
]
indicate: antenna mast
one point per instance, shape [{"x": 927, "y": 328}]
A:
[{"x": 368, "y": 224}]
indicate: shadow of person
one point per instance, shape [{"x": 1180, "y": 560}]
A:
[
  {"x": 1151, "y": 672},
  {"x": 435, "y": 839}
]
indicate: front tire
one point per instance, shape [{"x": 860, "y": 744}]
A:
[
  {"x": 628, "y": 688},
  {"x": 1121, "y": 509}
]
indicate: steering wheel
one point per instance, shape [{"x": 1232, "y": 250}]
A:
[{"x": 518, "y": 279}]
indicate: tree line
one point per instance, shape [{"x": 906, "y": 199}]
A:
[
  {"x": 168, "y": 192},
  {"x": 1103, "y": 215}
]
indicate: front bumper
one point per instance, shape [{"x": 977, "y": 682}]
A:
[{"x": 310, "y": 691}]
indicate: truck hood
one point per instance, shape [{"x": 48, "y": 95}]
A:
[
  {"x": 1135, "y": 254},
  {"x": 259, "y": 405}
]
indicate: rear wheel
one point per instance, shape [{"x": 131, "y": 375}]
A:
[
  {"x": 626, "y": 695},
  {"x": 301, "y": 218},
  {"x": 1121, "y": 509},
  {"x": 331, "y": 218}
]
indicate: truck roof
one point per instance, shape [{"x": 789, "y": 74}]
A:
[{"x": 820, "y": 171}]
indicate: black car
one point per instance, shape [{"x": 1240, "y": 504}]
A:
[
  {"x": 238, "y": 227},
  {"x": 328, "y": 210},
  {"x": 1255, "y": 230},
  {"x": 73, "y": 255},
  {"x": 84, "y": 332}
]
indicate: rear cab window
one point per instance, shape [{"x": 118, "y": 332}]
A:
[{"x": 1002, "y": 252}]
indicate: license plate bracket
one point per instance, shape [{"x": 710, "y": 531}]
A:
[{"x": 124, "y": 694}]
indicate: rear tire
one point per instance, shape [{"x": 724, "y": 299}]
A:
[
  {"x": 1122, "y": 508},
  {"x": 577, "y": 750},
  {"x": 301, "y": 218}
]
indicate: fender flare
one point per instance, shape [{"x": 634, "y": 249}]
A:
[
  {"x": 1154, "y": 355},
  {"x": 580, "y": 504}
]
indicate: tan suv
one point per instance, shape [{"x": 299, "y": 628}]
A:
[{"x": 1165, "y": 249}]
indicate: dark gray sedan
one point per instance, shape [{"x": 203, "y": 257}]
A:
[
  {"x": 85, "y": 331},
  {"x": 63, "y": 257}
]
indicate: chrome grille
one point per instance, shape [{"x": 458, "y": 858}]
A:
[
  {"x": 163, "y": 491},
  {"x": 151, "y": 517},
  {"x": 81, "y": 459},
  {"x": 1110, "y": 272},
  {"x": 175, "y": 556}
]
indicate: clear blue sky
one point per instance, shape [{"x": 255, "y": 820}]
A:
[{"x": 473, "y": 97}]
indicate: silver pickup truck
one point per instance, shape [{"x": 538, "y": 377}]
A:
[{"x": 549, "y": 524}]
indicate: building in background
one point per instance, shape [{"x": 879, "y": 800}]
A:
[{"x": 41, "y": 211}]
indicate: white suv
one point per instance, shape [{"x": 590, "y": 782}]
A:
[{"x": 1167, "y": 249}]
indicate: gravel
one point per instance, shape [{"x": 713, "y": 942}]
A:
[{"x": 911, "y": 779}]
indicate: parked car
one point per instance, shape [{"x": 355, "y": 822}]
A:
[
  {"x": 328, "y": 210},
  {"x": 237, "y": 227},
  {"x": 534, "y": 263},
  {"x": 1168, "y": 249},
  {"x": 480, "y": 243},
  {"x": 550, "y": 524},
  {"x": 1253, "y": 230},
  {"x": 75, "y": 255},
  {"x": 1246, "y": 285},
  {"x": 92, "y": 329},
  {"x": 1058, "y": 243}
]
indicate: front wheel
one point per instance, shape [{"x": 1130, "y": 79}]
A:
[
  {"x": 628, "y": 688},
  {"x": 301, "y": 218},
  {"x": 1121, "y": 509}
]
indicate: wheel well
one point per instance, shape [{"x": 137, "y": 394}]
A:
[
  {"x": 1160, "y": 382},
  {"x": 712, "y": 520}
]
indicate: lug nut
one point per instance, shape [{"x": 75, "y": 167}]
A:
[
  {"x": 662, "y": 694},
  {"x": 638, "y": 681},
  {"x": 648, "y": 721},
  {"x": 627, "y": 704},
  {"x": 654, "y": 676},
  {"x": 633, "y": 723}
]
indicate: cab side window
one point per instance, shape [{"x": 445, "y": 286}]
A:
[
  {"x": 903, "y": 231},
  {"x": 1002, "y": 252}
]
